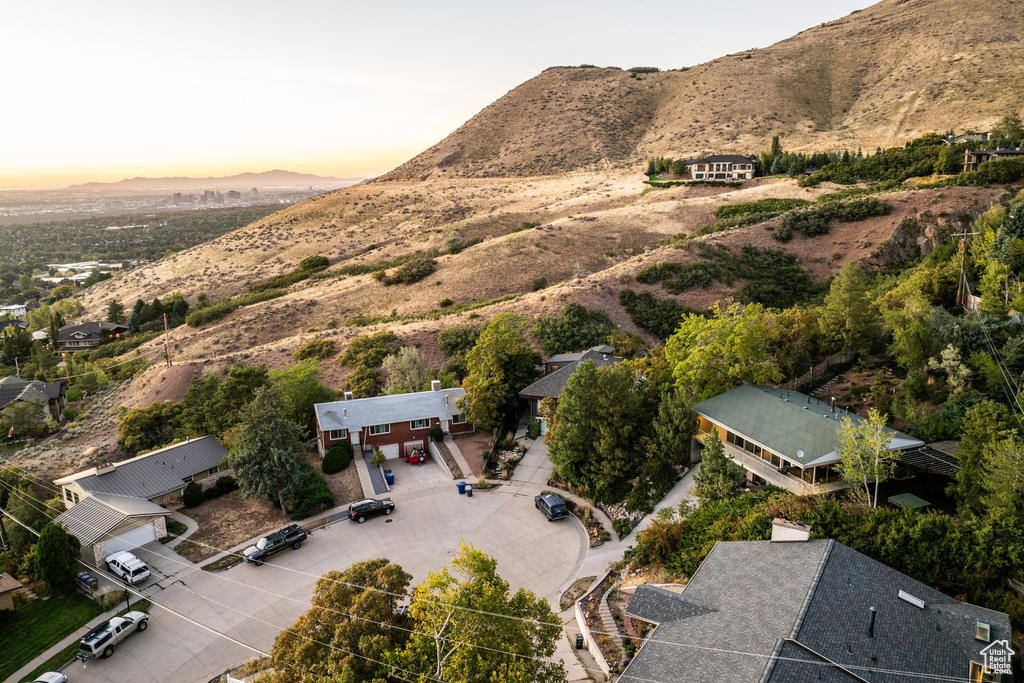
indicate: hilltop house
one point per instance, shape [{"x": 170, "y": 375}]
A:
[
  {"x": 88, "y": 335},
  {"x": 158, "y": 476},
  {"x": 794, "y": 610},
  {"x": 953, "y": 140},
  {"x": 51, "y": 396},
  {"x": 723, "y": 167},
  {"x": 391, "y": 424},
  {"x": 781, "y": 437},
  {"x": 975, "y": 158},
  {"x": 17, "y": 311},
  {"x": 557, "y": 371}
]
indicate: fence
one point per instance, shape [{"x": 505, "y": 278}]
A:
[{"x": 818, "y": 370}]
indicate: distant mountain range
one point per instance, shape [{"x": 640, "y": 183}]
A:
[{"x": 241, "y": 181}]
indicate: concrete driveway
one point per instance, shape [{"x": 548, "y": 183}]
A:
[{"x": 253, "y": 604}]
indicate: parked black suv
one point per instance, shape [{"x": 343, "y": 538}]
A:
[
  {"x": 292, "y": 536},
  {"x": 551, "y": 505},
  {"x": 368, "y": 507}
]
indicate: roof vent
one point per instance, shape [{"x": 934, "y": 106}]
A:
[
  {"x": 105, "y": 468},
  {"x": 913, "y": 600},
  {"x": 435, "y": 385},
  {"x": 784, "y": 531},
  {"x": 348, "y": 395}
]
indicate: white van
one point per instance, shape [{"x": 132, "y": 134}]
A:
[{"x": 130, "y": 568}]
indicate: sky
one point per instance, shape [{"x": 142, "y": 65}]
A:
[{"x": 106, "y": 89}]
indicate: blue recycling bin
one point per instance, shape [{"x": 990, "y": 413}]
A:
[
  {"x": 390, "y": 476},
  {"x": 462, "y": 487}
]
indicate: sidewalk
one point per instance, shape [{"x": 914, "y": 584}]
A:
[
  {"x": 77, "y": 635},
  {"x": 467, "y": 471},
  {"x": 188, "y": 522}
]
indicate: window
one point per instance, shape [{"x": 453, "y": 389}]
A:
[
  {"x": 76, "y": 496},
  {"x": 213, "y": 470},
  {"x": 979, "y": 673},
  {"x": 380, "y": 429},
  {"x": 188, "y": 479},
  {"x": 459, "y": 419},
  {"x": 67, "y": 496},
  {"x": 982, "y": 632},
  {"x": 336, "y": 434},
  {"x": 419, "y": 424}
]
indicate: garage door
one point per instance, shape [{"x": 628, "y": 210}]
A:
[
  {"x": 131, "y": 539},
  {"x": 390, "y": 451}
]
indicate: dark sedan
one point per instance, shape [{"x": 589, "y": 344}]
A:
[{"x": 361, "y": 510}]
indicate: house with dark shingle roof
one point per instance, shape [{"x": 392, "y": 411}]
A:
[
  {"x": 557, "y": 371},
  {"x": 158, "y": 476},
  {"x": 8, "y": 586},
  {"x": 782, "y": 437},
  {"x": 723, "y": 167},
  {"x": 802, "y": 612},
  {"x": 50, "y": 396},
  {"x": 88, "y": 335}
]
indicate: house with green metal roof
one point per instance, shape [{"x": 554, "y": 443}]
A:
[{"x": 781, "y": 437}]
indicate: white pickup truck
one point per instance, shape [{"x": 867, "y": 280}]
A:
[{"x": 100, "y": 641}]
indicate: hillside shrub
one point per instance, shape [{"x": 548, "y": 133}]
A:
[
  {"x": 218, "y": 310},
  {"x": 771, "y": 205},
  {"x": 193, "y": 495},
  {"x": 70, "y": 413},
  {"x": 525, "y": 225},
  {"x": 539, "y": 283},
  {"x": 660, "y": 317},
  {"x": 315, "y": 262},
  {"x": 370, "y": 350},
  {"x": 436, "y": 434},
  {"x": 575, "y": 328},
  {"x": 313, "y": 497},
  {"x": 814, "y": 221},
  {"x": 457, "y": 341},
  {"x": 337, "y": 457},
  {"x": 408, "y": 273},
  {"x": 113, "y": 349},
  {"x": 644, "y": 69},
  {"x": 314, "y": 348}
]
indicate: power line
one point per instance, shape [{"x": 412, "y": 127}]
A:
[{"x": 934, "y": 677}]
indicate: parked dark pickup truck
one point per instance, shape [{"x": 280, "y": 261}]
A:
[{"x": 292, "y": 536}]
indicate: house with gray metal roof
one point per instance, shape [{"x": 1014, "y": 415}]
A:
[
  {"x": 106, "y": 523},
  {"x": 158, "y": 476},
  {"x": 392, "y": 424},
  {"x": 804, "y": 611},
  {"x": 50, "y": 396},
  {"x": 557, "y": 371},
  {"x": 781, "y": 437}
]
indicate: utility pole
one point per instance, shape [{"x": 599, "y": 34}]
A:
[
  {"x": 167, "y": 342},
  {"x": 961, "y": 293}
]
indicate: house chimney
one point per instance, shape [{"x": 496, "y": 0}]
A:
[
  {"x": 785, "y": 531},
  {"x": 832, "y": 404},
  {"x": 872, "y": 613},
  {"x": 105, "y": 468},
  {"x": 435, "y": 385},
  {"x": 348, "y": 395}
]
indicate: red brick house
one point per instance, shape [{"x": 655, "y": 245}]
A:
[{"x": 392, "y": 424}]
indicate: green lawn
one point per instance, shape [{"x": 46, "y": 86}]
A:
[
  {"x": 34, "y": 626},
  {"x": 64, "y": 656}
]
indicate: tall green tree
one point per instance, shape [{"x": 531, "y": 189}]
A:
[
  {"x": 719, "y": 475},
  {"x": 56, "y": 322},
  {"x": 469, "y": 626},
  {"x": 25, "y": 505},
  {"x": 985, "y": 425},
  {"x": 674, "y": 427},
  {"x": 406, "y": 372},
  {"x": 268, "y": 459},
  {"x": 711, "y": 354},
  {"x": 864, "y": 456},
  {"x": 500, "y": 365},
  {"x": 1004, "y": 479},
  {"x": 55, "y": 563},
  {"x": 347, "y": 630},
  {"x": 301, "y": 389},
  {"x": 848, "y": 317},
  {"x": 594, "y": 438},
  {"x": 115, "y": 311}
]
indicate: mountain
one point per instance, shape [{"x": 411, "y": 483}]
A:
[
  {"x": 878, "y": 77},
  {"x": 275, "y": 178},
  {"x": 546, "y": 183}
]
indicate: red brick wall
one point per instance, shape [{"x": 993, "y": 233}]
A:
[{"x": 400, "y": 433}]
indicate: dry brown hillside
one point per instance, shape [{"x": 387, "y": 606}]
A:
[{"x": 877, "y": 77}]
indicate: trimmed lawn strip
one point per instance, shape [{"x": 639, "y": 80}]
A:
[{"x": 37, "y": 625}]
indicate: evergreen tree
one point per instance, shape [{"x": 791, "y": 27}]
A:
[
  {"x": 719, "y": 476},
  {"x": 985, "y": 425},
  {"x": 139, "y": 305},
  {"x": 115, "y": 312},
  {"x": 55, "y": 563},
  {"x": 134, "y": 323},
  {"x": 56, "y": 322},
  {"x": 848, "y": 317},
  {"x": 776, "y": 168}
]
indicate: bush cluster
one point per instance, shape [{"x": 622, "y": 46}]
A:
[
  {"x": 408, "y": 273},
  {"x": 436, "y": 434},
  {"x": 337, "y": 457},
  {"x": 193, "y": 495},
  {"x": 660, "y": 317},
  {"x": 313, "y": 496},
  {"x": 224, "y": 484},
  {"x": 814, "y": 221},
  {"x": 774, "y": 205},
  {"x": 575, "y": 328},
  {"x": 220, "y": 309},
  {"x": 314, "y": 348}
]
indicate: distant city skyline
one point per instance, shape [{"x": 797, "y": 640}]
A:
[{"x": 108, "y": 90}]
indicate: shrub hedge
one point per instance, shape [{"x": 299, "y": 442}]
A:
[
  {"x": 337, "y": 457},
  {"x": 312, "y": 497},
  {"x": 193, "y": 495}
]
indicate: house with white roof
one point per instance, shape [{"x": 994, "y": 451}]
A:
[{"x": 392, "y": 424}]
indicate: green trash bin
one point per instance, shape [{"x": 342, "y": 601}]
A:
[{"x": 579, "y": 641}]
